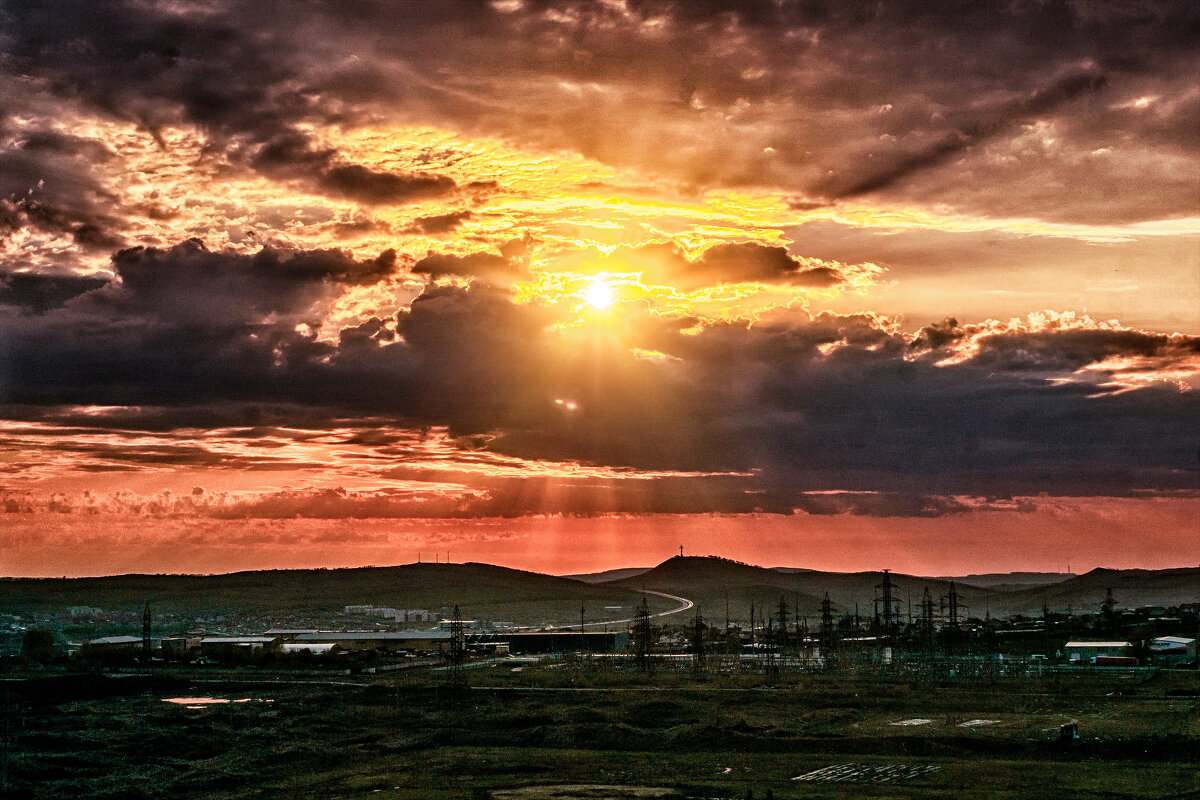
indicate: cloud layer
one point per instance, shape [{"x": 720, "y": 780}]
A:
[{"x": 493, "y": 259}]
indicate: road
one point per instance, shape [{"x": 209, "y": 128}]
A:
[{"x": 684, "y": 605}]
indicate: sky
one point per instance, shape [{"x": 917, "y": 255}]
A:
[{"x": 566, "y": 285}]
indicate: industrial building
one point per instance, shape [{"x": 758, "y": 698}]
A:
[
  {"x": 1081, "y": 652},
  {"x": 552, "y": 641},
  {"x": 109, "y": 646},
  {"x": 238, "y": 648},
  {"x": 389, "y": 641},
  {"x": 1172, "y": 651}
]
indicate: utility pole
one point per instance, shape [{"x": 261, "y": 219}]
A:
[
  {"x": 146, "y": 633},
  {"x": 1108, "y": 612},
  {"x": 952, "y": 603},
  {"x": 783, "y": 624},
  {"x": 581, "y": 613},
  {"x": 770, "y": 664},
  {"x": 927, "y": 618},
  {"x": 698, "y": 642},
  {"x": 641, "y": 637},
  {"x": 827, "y": 630},
  {"x": 457, "y": 650},
  {"x": 886, "y": 600}
]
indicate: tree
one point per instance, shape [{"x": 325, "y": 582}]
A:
[{"x": 38, "y": 645}]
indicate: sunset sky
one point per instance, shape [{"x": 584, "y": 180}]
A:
[{"x": 565, "y": 285}]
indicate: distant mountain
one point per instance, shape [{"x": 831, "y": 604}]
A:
[
  {"x": 1131, "y": 588},
  {"x": 715, "y": 582},
  {"x": 608, "y": 575},
  {"x": 481, "y": 590},
  {"x": 1011, "y": 580},
  {"x": 718, "y": 586}
]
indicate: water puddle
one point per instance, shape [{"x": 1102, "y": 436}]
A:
[{"x": 198, "y": 703}]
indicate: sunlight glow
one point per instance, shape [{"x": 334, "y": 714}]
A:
[{"x": 599, "y": 294}]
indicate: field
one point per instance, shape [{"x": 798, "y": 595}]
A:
[{"x": 520, "y": 734}]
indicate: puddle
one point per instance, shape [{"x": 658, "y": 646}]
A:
[
  {"x": 971, "y": 723},
  {"x": 912, "y": 722},
  {"x": 197, "y": 703}
]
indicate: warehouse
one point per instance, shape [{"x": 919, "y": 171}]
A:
[
  {"x": 1084, "y": 652},
  {"x": 1172, "y": 651},
  {"x": 389, "y": 641},
  {"x": 553, "y": 641}
]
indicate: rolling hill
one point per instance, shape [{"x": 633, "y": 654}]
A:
[
  {"x": 481, "y": 590},
  {"x": 710, "y": 581}
]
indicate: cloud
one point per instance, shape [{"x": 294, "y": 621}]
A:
[
  {"x": 39, "y": 292},
  {"x": 749, "y": 261},
  {"x": 488, "y": 267},
  {"x": 812, "y": 402},
  {"x": 815, "y": 99},
  {"x": 292, "y": 155},
  {"x": 736, "y": 262},
  {"x": 439, "y": 224}
]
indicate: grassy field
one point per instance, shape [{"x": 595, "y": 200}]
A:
[{"x": 521, "y": 734}]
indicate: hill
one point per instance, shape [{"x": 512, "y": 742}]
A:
[
  {"x": 481, "y": 590},
  {"x": 608, "y": 575},
  {"x": 1010, "y": 580},
  {"x": 1130, "y": 587},
  {"x": 712, "y": 582}
]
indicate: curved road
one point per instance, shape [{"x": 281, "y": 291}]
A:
[{"x": 684, "y": 605}]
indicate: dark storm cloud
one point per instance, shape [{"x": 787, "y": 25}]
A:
[
  {"x": 740, "y": 262},
  {"x": 733, "y": 263},
  {"x": 487, "y": 267},
  {"x": 46, "y": 184},
  {"x": 439, "y": 224},
  {"x": 823, "y": 403},
  {"x": 39, "y": 292},
  {"x": 236, "y": 74},
  {"x": 292, "y": 156},
  {"x": 825, "y": 99},
  {"x": 968, "y": 128}
]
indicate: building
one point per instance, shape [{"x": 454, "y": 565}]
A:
[
  {"x": 109, "y": 647},
  {"x": 238, "y": 648},
  {"x": 1084, "y": 652},
  {"x": 389, "y": 641},
  {"x": 1172, "y": 651},
  {"x": 552, "y": 641}
]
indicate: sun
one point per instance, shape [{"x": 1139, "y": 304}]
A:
[{"x": 599, "y": 294}]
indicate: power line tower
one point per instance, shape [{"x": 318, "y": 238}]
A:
[
  {"x": 927, "y": 619},
  {"x": 770, "y": 660},
  {"x": 783, "y": 625},
  {"x": 697, "y": 642},
  {"x": 954, "y": 638},
  {"x": 828, "y": 631},
  {"x": 146, "y": 633},
  {"x": 1108, "y": 612},
  {"x": 952, "y": 604},
  {"x": 641, "y": 637},
  {"x": 886, "y": 601},
  {"x": 458, "y": 650}
]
